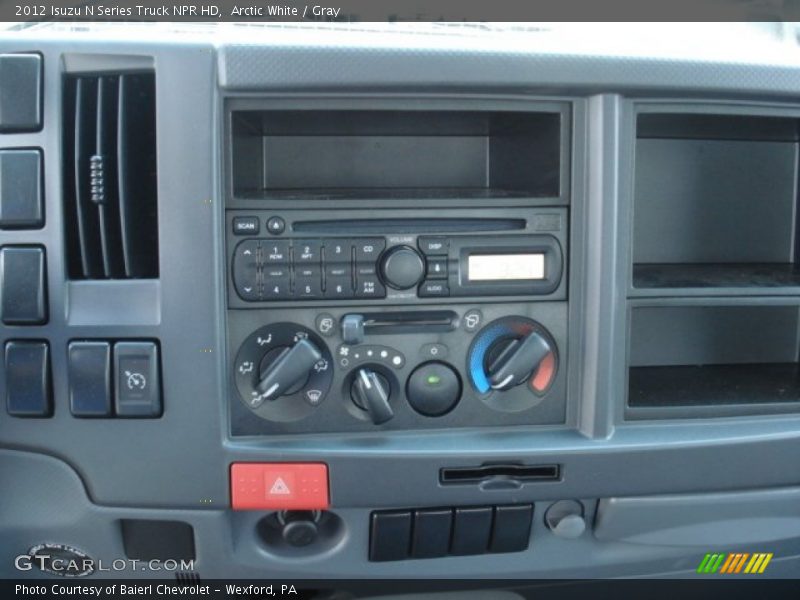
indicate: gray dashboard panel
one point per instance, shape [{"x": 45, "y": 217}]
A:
[{"x": 177, "y": 466}]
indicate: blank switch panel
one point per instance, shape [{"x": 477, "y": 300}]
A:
[
  {"x": 459, "y": 531},
  {"x": 21, "y": 200},
  {"x": 20, "y": 92},
  {"x": 26, "y": 373},
  {"x": 89, "y": 378},
  {"x": 23, "y": 288}
]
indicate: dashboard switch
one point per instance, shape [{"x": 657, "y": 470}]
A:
[
  {"x": 23, "y": 292},
  {"x": 90, "y": 379},
  {"x": 431, "y": 535},
  {"x": 512, "y": 528},
  {"x": 27, "y": 379},
  {"x": 279, "y": 486},
  {"x": 20, "y": 92},
  {"x": 390, "y": 535},
  {"x": 21, "y": 189},
  {"x": 433, "y": 389},
  {"x": 471, "y": 530},
  {"x": 138, "y": 389}
]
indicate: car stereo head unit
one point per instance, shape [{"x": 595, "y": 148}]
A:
[{"x": 299, "y": 257}]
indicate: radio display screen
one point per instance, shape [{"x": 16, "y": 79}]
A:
[{"x": 505, "y": 267}]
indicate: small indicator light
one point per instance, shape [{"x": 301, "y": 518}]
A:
[{"x": 433, "y": 380}]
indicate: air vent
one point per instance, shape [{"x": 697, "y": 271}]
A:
[{"x": 110, "y": 184}]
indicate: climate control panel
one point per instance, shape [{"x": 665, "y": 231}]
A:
[{"x": 398, "y": 368}]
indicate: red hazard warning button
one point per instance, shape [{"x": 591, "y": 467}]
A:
[{"x": 279, "y": 486}]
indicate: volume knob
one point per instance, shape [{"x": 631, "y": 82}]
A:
[{"x": 402, "y": 267}]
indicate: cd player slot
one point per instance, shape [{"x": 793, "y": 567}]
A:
[
  {"x": 407, "y": 225},
  {"x": 490, "y": 473}
]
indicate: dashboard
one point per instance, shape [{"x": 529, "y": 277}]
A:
[{"x": 416, "y": 302}]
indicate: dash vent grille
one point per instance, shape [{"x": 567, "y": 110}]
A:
[{"x": 110, "y": 180}]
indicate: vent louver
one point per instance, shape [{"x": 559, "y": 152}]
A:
[{"x": 110, "y": 184}]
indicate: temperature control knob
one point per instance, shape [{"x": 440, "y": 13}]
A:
[
  {"x": 511, "y": 361},
  {"x": 370, "y": 391},
  {"x": 510, "y": 352},
  {"x": 402, "y": 267}
]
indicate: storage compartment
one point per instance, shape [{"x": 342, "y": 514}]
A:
[
  {"x": 686, "y": 356},
  {"x": 375, "y": 154},
  {"x": 715, "y": 202}
]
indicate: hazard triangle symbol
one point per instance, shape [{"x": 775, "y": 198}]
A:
[{"x": 280, "y": 487}]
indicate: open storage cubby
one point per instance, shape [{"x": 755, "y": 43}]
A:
[
  {"x": 715, "y": 203},
  {"x": 379, "y": 154},
  {"x": 714, "y": 356}
]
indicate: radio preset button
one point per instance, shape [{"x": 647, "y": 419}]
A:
[
  {"x": 275, "y": 252},
  {"x": 338, "y": 288},
  {"x": 308, "y": 288},
  {"x": 433, "y": 289},
  {"x": 276, "y": 291},
  {"x": 276, "y": 281},
  {"x": 437, "y": 267},
  {"x": 434, "y": 245},
  {"x": 307, "y": 252},
  {"x": 338, "y": 251}
]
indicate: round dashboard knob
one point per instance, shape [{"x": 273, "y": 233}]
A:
[
  {"x": 402, "y": 267},
  {"x": 433, "y": 389}
]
